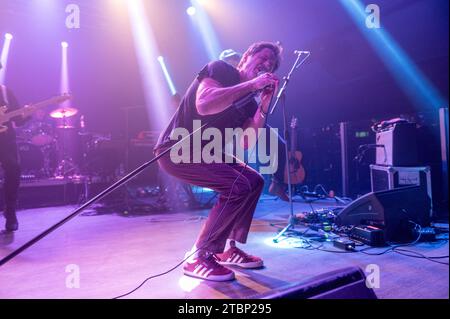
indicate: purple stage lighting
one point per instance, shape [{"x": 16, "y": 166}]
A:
[
  {"x": 166, "y": 73},
  {"x": 409, "y": 76},
  {"x": 156, "y": 95},
  {"x": 205, "y": 28},
  {"x": 64, "y": 84},
  {"x": 4, "y": 56}
]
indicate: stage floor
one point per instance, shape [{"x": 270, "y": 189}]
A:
[{"x": 114, "y": 254}]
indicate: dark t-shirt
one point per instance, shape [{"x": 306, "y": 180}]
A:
[
  {"x": 232, "y": 117},
  {"x": 9, "y": 137}
]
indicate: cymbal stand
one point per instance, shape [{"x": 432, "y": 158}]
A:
[{"x": 66, "y": 161}]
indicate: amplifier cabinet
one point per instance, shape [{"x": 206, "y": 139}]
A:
[
  {"x": 391, "y": 177},
  {"x": 399, "y": 145}
]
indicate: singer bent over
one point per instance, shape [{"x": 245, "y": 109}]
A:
[{"x": 212, "y": 98}]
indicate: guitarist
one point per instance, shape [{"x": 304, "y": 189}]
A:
[{"x": 9, "y": 160}]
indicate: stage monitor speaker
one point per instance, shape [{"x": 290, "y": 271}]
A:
[
  {"x": 390, "y": 210},
  {"x": 346, "y": 283}
]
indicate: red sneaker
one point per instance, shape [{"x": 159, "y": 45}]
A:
[
  {"x": 236, "y": 257},
  {"x": 207, "y": 267}
]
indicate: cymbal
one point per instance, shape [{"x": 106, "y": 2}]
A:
[{"x": 63, "y": 112}]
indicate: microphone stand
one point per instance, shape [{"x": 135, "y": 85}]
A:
[
  {"x": 236, "y": 105},
  {"x": 282, "y": 95},
  {"x": 96, "y": 198}
]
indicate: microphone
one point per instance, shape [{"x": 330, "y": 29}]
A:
[
  {"x": 267, "y": 88},
  {"x": 302, "y": 52},
  {"x": 243, "y": 101}
]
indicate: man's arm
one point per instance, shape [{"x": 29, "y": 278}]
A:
[
  {"x": 259, "y": 119},
  {"x": 213, "y": 98}
]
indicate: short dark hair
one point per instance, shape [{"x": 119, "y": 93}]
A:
[{"x": 259, "y": 46}]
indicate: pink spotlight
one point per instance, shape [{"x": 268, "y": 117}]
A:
[
  {"x": 64, "y": 44},
  {"x": 8, "y": 36}
]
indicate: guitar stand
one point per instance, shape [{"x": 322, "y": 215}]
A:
[{"x": 293, "y": 220}]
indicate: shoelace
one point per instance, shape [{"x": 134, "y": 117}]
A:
[{"x": 212, "y": 260}]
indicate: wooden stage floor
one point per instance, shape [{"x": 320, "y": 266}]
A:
[{"x": 114, "y": 254}]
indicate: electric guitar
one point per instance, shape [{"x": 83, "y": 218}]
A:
[
  {"x": 295, "y": 169},
  {"x": 28, "y": 110}
]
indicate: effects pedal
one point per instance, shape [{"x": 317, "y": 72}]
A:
[
  {"x": 368, "y": 235},
  {"x": 344, "y": 244}
]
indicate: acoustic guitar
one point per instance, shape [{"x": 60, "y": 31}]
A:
[{"x": 295, "y": 169}]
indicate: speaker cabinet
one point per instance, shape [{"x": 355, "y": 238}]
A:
[
  {"x": 140, "y": 153},
  {"x": 346, "y": 283}
]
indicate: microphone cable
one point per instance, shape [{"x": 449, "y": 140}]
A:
[{"x": 223, "y": 208}]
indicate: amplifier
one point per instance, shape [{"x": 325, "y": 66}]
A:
[
  {"x": 399, "y": 141},
  {"x": 46, "y": 193},
  {"x": 140, "y": 152},
  {"x": 390, "y": 177}
]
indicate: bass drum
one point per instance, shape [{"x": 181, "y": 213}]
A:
[
  {"x": 42, "y": 134},
  {"x": 31, "y": 160}
]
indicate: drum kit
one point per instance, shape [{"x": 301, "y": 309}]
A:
[
  {"x": 58, "y": 146},
  {"x": 49, "y": 147}
]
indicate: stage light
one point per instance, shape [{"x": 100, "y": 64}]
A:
[
  {"x": 207, "y": 32},
  {"x": 191, "y": 10},
  {"x": 64, "y": 80},
  {"x": 169, "y": 81},
  {"x": 409, "y": 77},
  {"x": 156, "y": 95},
  {"x": 4, "y": 56}
]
